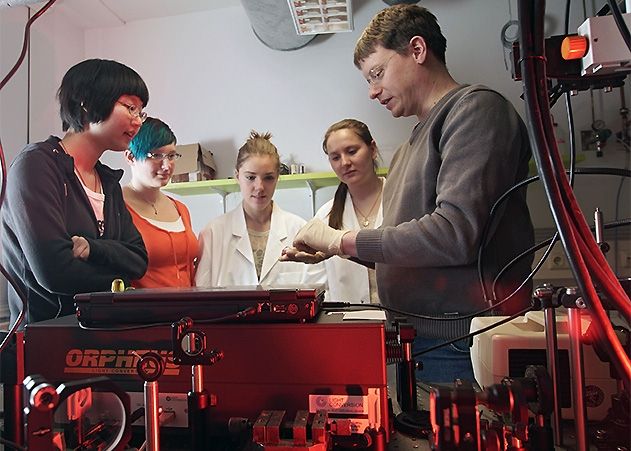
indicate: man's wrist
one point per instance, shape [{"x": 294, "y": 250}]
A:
[{"x": 347, "y": 244}]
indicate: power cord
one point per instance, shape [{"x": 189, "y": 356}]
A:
[{"x": 3, "y": 172}]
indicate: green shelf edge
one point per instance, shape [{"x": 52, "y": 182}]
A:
[{"x": 313, "y": 180}]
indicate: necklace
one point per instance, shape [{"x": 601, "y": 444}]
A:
[
  {"x": 76, "y": 170},
  {"x": 366, "y": 221},
  {"x": 153, "y": 204},
  {"x": 142, "y": 198},
  {"x": 96, "y": 180}
]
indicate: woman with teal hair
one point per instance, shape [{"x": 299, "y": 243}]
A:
[{"x": 163, "y": 222}]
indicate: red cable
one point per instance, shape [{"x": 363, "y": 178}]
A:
[
  {"x": 561, "y": 197},
  {"x": 25, "y": 42},
  {"x": 603, "y": 324}
]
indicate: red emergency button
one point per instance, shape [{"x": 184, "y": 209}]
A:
[{"x": 574, "y": 47}]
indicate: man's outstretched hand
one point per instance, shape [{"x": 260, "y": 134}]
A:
[{"x": 314, "y": 242}]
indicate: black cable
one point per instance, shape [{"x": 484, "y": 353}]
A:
[
  {"x": 348, "y": 306},
  {"x": 22, "y": 295},
  {"x": 358, "y": 307},
  {"x": 546, "y": 153},
  {"x": 624, "y": 140},
  {"x": 473, "y": 334},
  {"x": 125, "y": 328},
  {"x": 330, "y": 305},
  {"x": 542, "y": 260},
  {"x": 562, "y": 202},
  {"x": 557, "y": 91},
  {"x": 572, "y": 150},
  {"x": 233, "y": 316},
  {"x": 617, "y": 205},
  {"x": 536, "y": 247},
  {"x": 532, "y": 249},
  {"x": 582, "y": 171},
  {"x": 620, "y": 23},
  {"x": 571, "y": 135},
  {"x": 559, "y": 195},
  {"x": 136, "y": 415},
  {"x": 12, "y": 445}
]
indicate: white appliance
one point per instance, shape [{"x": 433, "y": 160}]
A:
[{"x": 508, "y": 349}]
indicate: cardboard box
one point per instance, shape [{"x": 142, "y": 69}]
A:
[{"x": 195, "y": 165}]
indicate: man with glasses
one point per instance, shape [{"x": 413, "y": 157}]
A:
[{"x": 469, "y": 147}]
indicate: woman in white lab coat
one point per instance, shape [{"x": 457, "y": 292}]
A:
[
  {"x": 353, "y": 156},
  {"x": 242, "y": 247}
]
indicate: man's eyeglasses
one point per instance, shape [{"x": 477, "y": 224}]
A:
[
  {"x": 375, "y": 75},
  {"x": 134, "y": 111},
  {"x": 163, "y": 156}
]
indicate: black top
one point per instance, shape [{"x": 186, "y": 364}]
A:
[{"x": 45, "y": 206}]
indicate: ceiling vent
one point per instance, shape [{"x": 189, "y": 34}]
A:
[
  {"x": 400, "y": 2},
  {"x": 273, "y": 24},
  {"x": 321, "y": 16}
]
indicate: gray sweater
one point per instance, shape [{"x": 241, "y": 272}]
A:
[{"x": 441, "y": 186}]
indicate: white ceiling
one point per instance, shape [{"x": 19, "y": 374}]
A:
[{"x": 106, "y": 13}]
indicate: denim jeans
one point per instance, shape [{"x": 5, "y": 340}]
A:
[{"x": 445, "y": 364}]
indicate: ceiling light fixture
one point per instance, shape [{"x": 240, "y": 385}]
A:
[{"x": 321, "y": 16}]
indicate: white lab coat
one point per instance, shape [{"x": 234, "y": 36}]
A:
[
  {"x": 226, "y": 257},
  {"x": 347, "y": 280}
]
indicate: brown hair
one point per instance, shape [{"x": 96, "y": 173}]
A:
[
  {"x": 258, "y": 144},
  {"x": 393, "y": 28},
  {"x": 339, "y": 199}
]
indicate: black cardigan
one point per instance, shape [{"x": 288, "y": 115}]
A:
[{"x": 45, "y": 206}]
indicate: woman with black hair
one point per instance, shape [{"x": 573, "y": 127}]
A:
[{"x": 65, "y": 228}]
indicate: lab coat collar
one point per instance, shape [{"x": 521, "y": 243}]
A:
[
  {"x": 276, "y": 240},
  {"x": 240, "y": 234}
]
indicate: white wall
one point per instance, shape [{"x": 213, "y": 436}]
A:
[
  {"x": 213, "y": 81},
  {"x": 28, "y": 111},
  {"x": 13, "y": 111},
  {"x": 13, "y": 98}
]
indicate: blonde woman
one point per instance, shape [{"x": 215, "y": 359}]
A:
[{"x": 242, "y": 247}]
